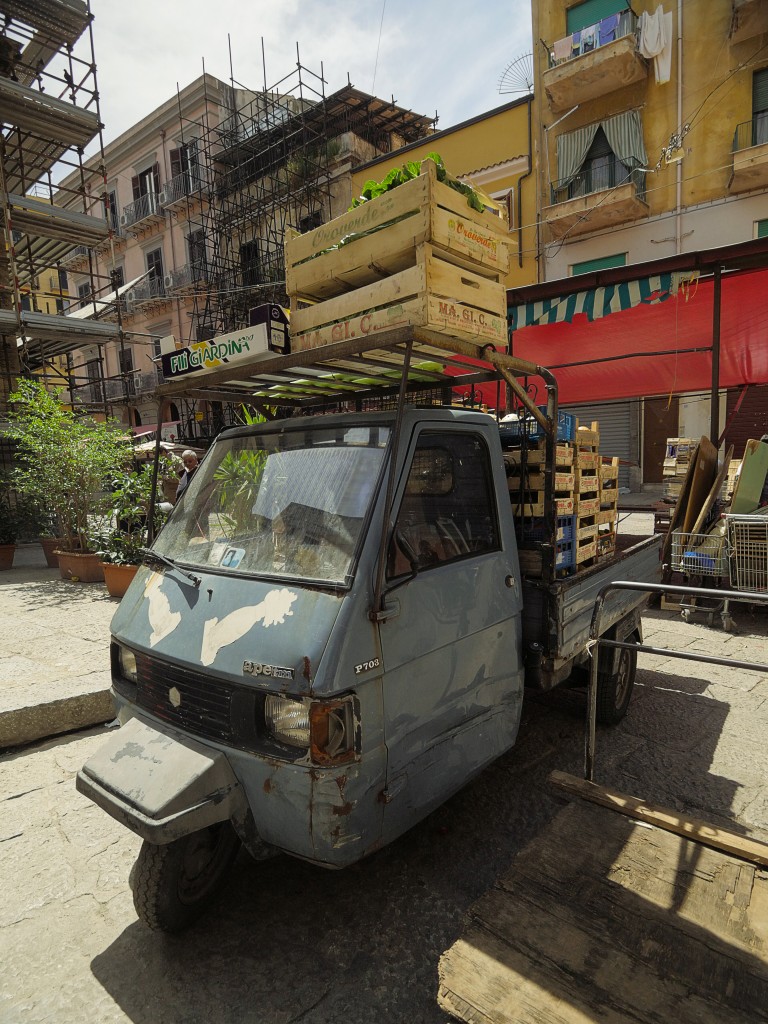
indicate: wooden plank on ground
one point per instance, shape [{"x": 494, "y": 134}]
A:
[{"x": 602, "y": 918}]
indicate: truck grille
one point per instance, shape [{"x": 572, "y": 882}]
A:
[{"x": 190, "y": 700}]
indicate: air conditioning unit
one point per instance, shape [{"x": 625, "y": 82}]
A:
[
  {"x": 163, "y": 197},
  {"x": 169, "y": 280},
  {"x": 124, "y": 220}
]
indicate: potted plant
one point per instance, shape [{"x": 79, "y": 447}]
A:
[
  {"x": 65, "y": 461},
  {"x": 120, "y": 539},
  {"x": 9, "y": 527}
]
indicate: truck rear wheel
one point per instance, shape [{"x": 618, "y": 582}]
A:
[
  {"x": 614, "y": 688},
  {"x": 173, "y": 884}
]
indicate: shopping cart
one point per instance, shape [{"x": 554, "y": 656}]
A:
[
  {"x": 703, "y": 558},
  {"x": 748, "y": 551}
]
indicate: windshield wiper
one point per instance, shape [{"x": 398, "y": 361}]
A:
[{"x": 154, "y": 556}]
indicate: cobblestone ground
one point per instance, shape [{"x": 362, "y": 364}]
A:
[{"x": 289, "y": 942}]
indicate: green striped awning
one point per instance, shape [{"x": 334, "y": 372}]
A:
[{"x": 596, "y": 303}]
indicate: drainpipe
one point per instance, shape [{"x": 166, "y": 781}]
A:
[
  {"x": 679, "y": 165},
  {"x": 520, "y": 181}
]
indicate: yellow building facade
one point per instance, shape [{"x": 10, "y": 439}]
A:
[{"x": 492, "y": 152}]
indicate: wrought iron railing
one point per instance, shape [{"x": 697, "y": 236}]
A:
[
  {"x": 80, "y": 252},
  {"x": 185, "y": 184},
  {"x": 627, "y": 25},
  {"x": 188, "y": 275},
  {"x": 141, "y": 208},
  {"x": 149, "y": 288},
  {"x": 751, "y": 133},
  {"x": 598, "y": 177}
]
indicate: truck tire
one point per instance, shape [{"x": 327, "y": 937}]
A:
[
  {"x": 173, "y": 884},
  {"x": 614, "y": 688}
]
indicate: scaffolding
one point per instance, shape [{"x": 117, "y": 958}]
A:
[
  {"x": 49, "y": 106},
  {"x": 279, "y": 161}
]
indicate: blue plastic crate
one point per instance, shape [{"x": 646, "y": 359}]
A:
[
  {"x": 535, "y": 529},
  {"x": 513, "y": 432}
]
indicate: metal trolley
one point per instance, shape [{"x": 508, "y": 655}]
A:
[
  {"x": 748, "y": 551},
  {"x": 703, "y": 558}
]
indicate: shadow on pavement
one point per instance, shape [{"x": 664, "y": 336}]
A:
[{"x": 291, "y": 942}]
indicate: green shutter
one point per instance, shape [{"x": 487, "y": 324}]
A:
[
  {"x": 590, "y": 12},
  {"x": 762, "y": 229},
  {"x": 760, "y": 91},
  {"x": 602, "y": 263}
]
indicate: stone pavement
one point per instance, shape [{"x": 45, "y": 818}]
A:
[
  {"x": 54, "y": 651},
  {"x": 289, "y": 942}
]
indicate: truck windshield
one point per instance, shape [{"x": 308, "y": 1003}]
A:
[{"x": 291, "y": 504}]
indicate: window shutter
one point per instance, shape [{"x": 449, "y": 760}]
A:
[
  {"x": 136, "y": 186},
  {"x": 762, "y": 229},
  {"x": 176, "y": 167},
  {"x": 760, "y": 91},
  {"x": 156, "y": 178},
  {"x": 590, "y": 12}
]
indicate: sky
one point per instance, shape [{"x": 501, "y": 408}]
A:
[{"x": 444, "y": 56}]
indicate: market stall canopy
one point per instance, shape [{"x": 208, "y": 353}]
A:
[{"x": 648, "y": 329}]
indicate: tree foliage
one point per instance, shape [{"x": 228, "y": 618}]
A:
[{"x": 65, "y": 460}]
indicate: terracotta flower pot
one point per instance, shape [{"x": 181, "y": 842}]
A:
[
  {"x": 6, "y": 556},
  {"x": 118, "y": 577},
  {"x": 84, "y": 568},
  {"x": 50, "y": 546}
]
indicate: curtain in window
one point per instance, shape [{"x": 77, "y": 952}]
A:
[{"x": 625, "y": 137}]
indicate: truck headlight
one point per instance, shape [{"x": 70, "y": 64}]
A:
[
  {"x": 287, "y": 720},
  {"x": 126, "y": 663}
]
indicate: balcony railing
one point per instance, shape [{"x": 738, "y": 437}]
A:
[
  {"x": 146, "y": 290},
  {"x": 598, "y": 177},
  {"x": 751, "y": 133},
  {"x": 143, "y": 207},
  {"x": 600, "y": 34},
  {"x": 191, "y": 274},
  {"x": 188, "y": 183},
  {"x": 76, "y": 255}
]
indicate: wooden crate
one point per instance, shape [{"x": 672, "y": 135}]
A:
[
  {"x": 588, "y": 437},
  {"x": 535, "y": 481},
  {"x": 587, "y": 506},
  {"x": 535, "y": 456},
  {"x": 417, "y": 255},
  {"x": 535, "y": 507},
  {"x": 434, "y": 293},
  {"x": 382, "y": 235}
]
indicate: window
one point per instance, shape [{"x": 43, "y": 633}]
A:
[
  {"x": 197, "y": 256},
  {"x": 448, "y": 510},
  {"x": 601, "y": 156},
  {"x": 760, "y": 107},
  {"x": 154, "y": 260},
  {"x": 601, "y": 263},
  {"x": 185, "y": 161},
  {"x": 84, "y": 293},
  {"x": 311, "y": 221},
  {"x": 249, "y": 262},
  {"x": 591, "y": 12},
  {"x": 761, "y": 229},
  {"x": 112, "y": 218},
  {"x": 146, "y": 183},
  {"x": 118, "y": 278},
  {"x": 95, "y": 390}
]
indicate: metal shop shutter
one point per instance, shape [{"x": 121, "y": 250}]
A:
[
  {"x": 615, "y": 419},
  {"x": 751, "y": 421},
  {"x": 589, "y": 13}
]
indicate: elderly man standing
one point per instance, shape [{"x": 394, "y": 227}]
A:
[{"x": 189, "y": 459}]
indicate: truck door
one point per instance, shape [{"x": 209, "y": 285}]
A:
[{"x": 452, "y": 647}]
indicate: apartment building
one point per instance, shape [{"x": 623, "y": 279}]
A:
[
  {"x": 198, "y": 196},
  {"x": 653, "y": 141}
]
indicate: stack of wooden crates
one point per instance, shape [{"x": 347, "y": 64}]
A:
[
  {"x": 586, "y": 500},
  {"x": 417, "y": 255}
]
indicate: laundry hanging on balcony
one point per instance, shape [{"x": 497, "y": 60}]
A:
[
  {"x": 596, "y": 303},
  {"x": 656, "y": 42},
  {"x": 624, "y": 133}
]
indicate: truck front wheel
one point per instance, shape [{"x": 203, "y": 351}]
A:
[
  {"x": 173, "y": 884},
  {"x": 614, "y": 687}
]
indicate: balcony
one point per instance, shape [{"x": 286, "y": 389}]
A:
[
  {"x": 597, "y": 198},
  {"x": 147, "y": 295},
  {"x": 75, "y": 259},
  {"x": 141, "y": 214},
  {"x": 585, "y": 74},
  {"x": 749, "y": 19},
  {"x": 187, "y": 186},
  {"x": 192, "y": 277},
  {"x": 750, "y": 154}
]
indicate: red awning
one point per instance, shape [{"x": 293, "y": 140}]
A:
[
  {"x": 151, "y": 428},
  {"x": 658, "y": 339}
]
